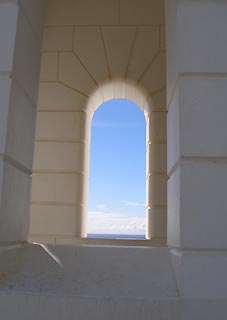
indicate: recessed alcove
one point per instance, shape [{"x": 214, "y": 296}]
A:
[{"x": 61, "y": 213}]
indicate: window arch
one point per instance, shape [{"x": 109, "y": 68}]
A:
[
  {"x": 61, "y": 175},
  {"x": 156, "y": 176},
  {"x": 117, "y": 171}
]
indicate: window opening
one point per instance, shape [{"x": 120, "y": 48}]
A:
[{"x": 117, "y": 184}]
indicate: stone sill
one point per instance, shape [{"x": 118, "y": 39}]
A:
[{"x": 156, "y": 242}]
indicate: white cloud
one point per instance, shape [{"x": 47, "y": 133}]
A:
[
  {"x": 101, "y": 206},
  {"x": 133, "y": 203},
  {"x": 115, "y": 223}
]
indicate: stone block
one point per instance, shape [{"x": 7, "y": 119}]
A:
[
  {"x": 202, "y": 38},
  {"x": 41, "y": 240},
  {"x": 157, "y": 101},
  {"x": 132, "y": 92},
  {"x": 82, "y": 12},
  {"x": 34, "y": 11},
  {"x": 154, "y": 77},
  {"x": 54, "y": 220},
  {"x": 174, "y": 228},
  {"x": 137, "y": 12},
  {"x": 118, "y": 39},
  {"x": 21, "y": 128},
  {"x": 156, "y": 157},
  {"x": 49, "y": 67},
  {"x": 197, "y": 213},
  {"x": 59, "y": 156},
  {"x": 65, "y": 126},
  {"x": 203, "y": 115},
  {"x": 146, "y": 37},
  {"x": 118, "y": 89},
  {"x": 5, "y": 89},
  {"x": 8, "y": 25},
  {"x": 195, "y": 39},
  {"x": 201, "y": 275},
  {"x": 163, "y": 37},
  {"x": 94, "y": 102},
  {"x": 88, "y": 44},
  {"x": 73, "y": 74},
  {"x": 57, "y": 96},
  {"x": 15, "y": 198},
  {"x": 1, "y": 176},
  {"x": 156, "y": 222},
  {"x": 172, "y": 45},
  {"x": 26, "y": 65},
  {"x": 57, "y": 188},
  {"x": 157, "y": 189},
  {"x": 106, "y": 91},
  {"x": 57, "y": 38},
  {"x": 156, "y": 127},
  {"x": 173, "y": 131},
  {"x": 203, "y": 309},
  {"x": 197, "y": 119}
]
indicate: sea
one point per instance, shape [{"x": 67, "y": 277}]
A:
[{"x": 117, "y": 236}]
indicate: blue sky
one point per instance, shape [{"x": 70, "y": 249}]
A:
[{"x": 117, "y": 169}]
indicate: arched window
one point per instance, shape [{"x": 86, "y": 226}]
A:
[
  {"x": 62, "y": 161},
  {"x": 117, "y": 171}
]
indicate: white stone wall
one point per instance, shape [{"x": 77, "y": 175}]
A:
[
  {"x": 93, "y": 51},
  {"x": 197, "y": 124},
  {"x": 197, "y": 162},
  {"x": 20, "y": 38},
  {"x": 187, "y": 281}
]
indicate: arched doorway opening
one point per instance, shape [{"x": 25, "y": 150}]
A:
[{"x": 117, "y": 184}]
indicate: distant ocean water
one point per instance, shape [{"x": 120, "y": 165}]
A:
[{"x": 116, "y": 236}]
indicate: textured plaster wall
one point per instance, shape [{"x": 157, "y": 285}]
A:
[{"x": 93, "y": 51}]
